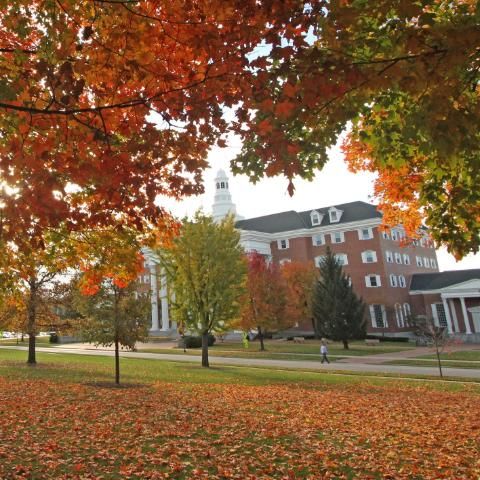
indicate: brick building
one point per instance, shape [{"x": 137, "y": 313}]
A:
[{"x": 379, "y": 263}]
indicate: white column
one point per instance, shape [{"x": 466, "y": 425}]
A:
[
  {"x": 164, "y": 300},
  {"x": 154, "y": 296},
  {"x": 447, "y": 314},
  {"x": 465, "y": 316},
  {"x": 454, "y": 315}
]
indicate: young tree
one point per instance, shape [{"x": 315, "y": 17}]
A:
[
  {"x": 263, "y": 305},
  {"x": 114, "y": 315},
  {"x": 300, "y": 280},
  {"x": 206, "y": 268},
  {"x": 337, "y": 311},
  {"x": 110, "y": 260}
]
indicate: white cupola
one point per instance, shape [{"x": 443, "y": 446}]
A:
[{"x": 222, "y": 203}]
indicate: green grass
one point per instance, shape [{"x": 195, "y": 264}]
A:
[
  {"x": 289, "y": 350},
  {"x": 432, "y": 363},
  {"x": 41, "y": 341},
  {"x": 469, "y": 355},
  {"x": 95, "y": 369}
]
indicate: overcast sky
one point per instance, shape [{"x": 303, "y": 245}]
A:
[{"x": 332, "y": 186}]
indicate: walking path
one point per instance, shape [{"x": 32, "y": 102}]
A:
[{"x": 355, "y": 365}]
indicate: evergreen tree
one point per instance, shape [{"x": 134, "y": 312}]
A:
[{"x": 337, "y": 311}]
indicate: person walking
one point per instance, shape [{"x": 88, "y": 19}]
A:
[{"x": 324, "y": 352}]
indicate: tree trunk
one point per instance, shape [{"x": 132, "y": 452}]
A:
[
  {"x": 260, "y": 337},
  {"x": 438, "y": 360},
  {"x": 345, "y": 344},
  {"x": 205, "y": 350},
  {"x": 31, "y": 313},
  {"x": 117, "y": 361}
]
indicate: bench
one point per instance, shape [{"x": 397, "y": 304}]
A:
[
  {"x": 298, "y": 340},
  {"x": 371, "y": 342}
]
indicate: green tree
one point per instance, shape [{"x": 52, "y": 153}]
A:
[
  {"x": 337, "y": 311},
  {"x": 114, "y": 316},
  {"x": 206, "y": 268}
]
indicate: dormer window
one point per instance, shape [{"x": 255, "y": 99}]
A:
[
  {"x": 316, "y": 218},
  {"x": 334, "y": 214}
]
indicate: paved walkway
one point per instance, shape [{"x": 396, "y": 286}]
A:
[{"x": 280, "y": 364}]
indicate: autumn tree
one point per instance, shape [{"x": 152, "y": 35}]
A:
[
  {"x": 299, "y": 280},
  {"x": 206, "y": 269},
  {"x": 337, "y": 311},
  {"x": 402, "y": 79},
  {"x": 30, "y": 274},
  {"x": 264, "y": 303},
  {"x": 110, "y": 262}
]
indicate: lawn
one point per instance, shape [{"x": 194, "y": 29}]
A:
[
  {"x": 63, "y": 419},
  {"x": 469, "y": 355},
  {"x": 433, "y": 363}
]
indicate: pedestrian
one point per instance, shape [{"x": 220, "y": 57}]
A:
[
  {"x": 245, "y": 339},
  {"x": 324, "y": 352}
]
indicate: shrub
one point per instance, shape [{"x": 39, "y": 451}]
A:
[
  {"x": 53, "y": 337},
  {"x": 190, "y": 341}
]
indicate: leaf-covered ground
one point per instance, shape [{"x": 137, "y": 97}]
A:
[{"x": 51, "y": 430}]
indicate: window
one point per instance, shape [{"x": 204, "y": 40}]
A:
[
  {"x": 318, "y": 260},
  {"x": 337, "y": 237},
  {"x": 385, "y": 235},
  {"x": 439, "y": 315},
  {"x": 389, "y": 256},
  {"x": 378, "y": 316},
  {"x": 334, "y": 214},
  {"x": 373, "y": 281},
  {"x": 342, "y": 258},
  {"x": 394, "y": 235},
  {"x": 399, "y": 315},
  {"x": 398, "y": 257},
  {"x": 318, "y": 240},
  {"x": 406, "y": 310},
  {"x": 282, "y": 244},
  {"x": 316, "y": 218},
  {"x": 369, "y": 256},
  {"x": 222, "y": 184},
  {"x": 146, "y": 279},
  {"x": 426, "y": 262},
  {"x": 218, "y": 185},
  {"x": 433, "y": 263},
  {"x": 401, "y": 281},
  {"x": 422, "y": 242},
  {"x": 365, "y": 234},
  {"x": 406, "y": 259},
  {"x": 393, "y": 280},
  {"x": 419, "y": 261}
]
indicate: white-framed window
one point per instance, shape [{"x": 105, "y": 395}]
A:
[
  {"x": 334, "y": 214},
  {"x": 399, "y": 315},
  {"x": 365, "y": 233},
  {"x": 406, "y": 259},
  {"x": 439, "y": 315},
  {"x": 318, "y": 239},
  {"x": 406, "y": 310},
  {"x": 401, "y": 234},
  {"x": 341, "y": 258},
  {"x": 426, "y": 262},
  {"x": 385, "y": 235},
  {"x": 337, "y": 237},
  {"x": 373, "y": 281},
  {"x": 394, "y": 234},
  {"x": 401, "y": 281},
  {"x": 389, "y": 256},
  {"x": 283, "y": 261},
  {"x": 146, "y": 278},
  {"x": 419, "y": 261},
  {"x": 283, "y": 244},
  {"x": 393, "y": 280},
  {"x": 433, "y": 263},
  {"x": 378, "y": 315},
  {"x": 316, "y": 217},
  {"x": 398, "y": 257},
  {"x": 369, "y": 256},
  {"x": 318, "y": 260},
  {"x": 422, "y": 242}
]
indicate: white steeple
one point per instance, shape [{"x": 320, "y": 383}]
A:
[{"x": 222, "y": 203}]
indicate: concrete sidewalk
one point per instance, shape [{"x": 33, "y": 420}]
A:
[{"x": 280, "y": 364}]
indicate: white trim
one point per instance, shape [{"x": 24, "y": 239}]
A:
[
  {"x": 369, "y": 231},
  {"x": 447, "y": 314},
  {"x": 319, "y": 236},
  {"x": 365, "y": 254},
  {"x": 315, "y": 213},
  {"x": 388, "y": 256},
  {"x": 279, "y": 244},
  {"x": 393, "y": 280},
  {"x": 368, "y": 282},
  {"x": 338, "y": 214},
  {"x": 466, "y": 320},
  {"x": 342, "y": 237},
  {"x": 454, "y": 315}
]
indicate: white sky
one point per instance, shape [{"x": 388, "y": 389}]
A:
[{"x": 332, "y": 186}]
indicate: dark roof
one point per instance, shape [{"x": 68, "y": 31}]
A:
[
  {"x": 436, "y": 281},
  {"x": 286, "y": 221}
]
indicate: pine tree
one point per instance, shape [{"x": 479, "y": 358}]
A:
[{"x": 337, "y": 311}]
